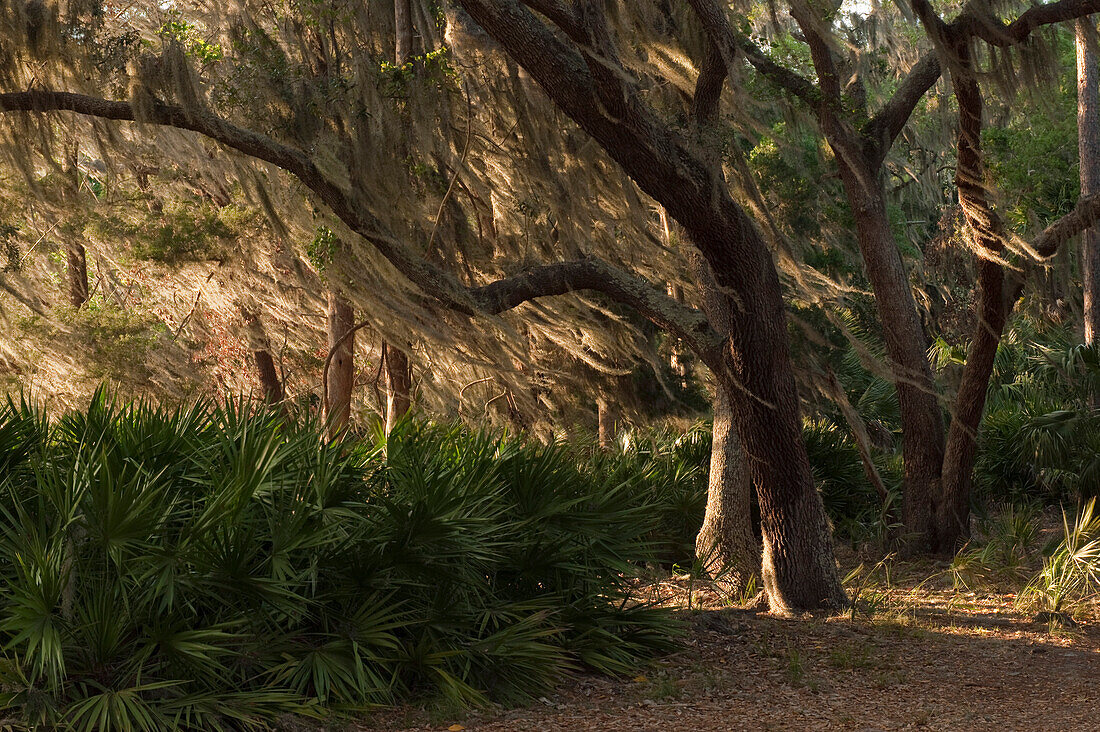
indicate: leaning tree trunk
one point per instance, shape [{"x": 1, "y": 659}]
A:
[
  {"x": 906, "y": 347},
  {"x": 798, "y": 568},
  {"x": 994, "y": 305},
  {"x": 1088, "y": 147},
  {"x": 398, "y": 385},
  {"x": 78, "y": 275},
  {"x": 341, "y": 375},
  {"x": 726, "y": 546}
]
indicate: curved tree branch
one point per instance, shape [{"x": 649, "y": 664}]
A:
[{"x": 494, "y": 298}]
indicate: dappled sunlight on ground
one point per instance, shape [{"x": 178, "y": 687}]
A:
[{"x": 914, "y": 654}]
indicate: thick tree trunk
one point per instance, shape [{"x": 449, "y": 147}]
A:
[
  {"x": 605, "y": 423},
  {"x": 398, "y": 385},
  {"x": 1088, "y": 147},
  {"x": 78, "y": 275},
  {"x": 341, "y": 376},
  {"x": 906, "y": 347},
  {"x": 726, "y": 545},
  {"x": 798, "y": 568}
]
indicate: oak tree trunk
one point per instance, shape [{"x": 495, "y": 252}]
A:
[
  {"x": 725, "y": 545},
  {"x": 341, "y": 376},
  {"x": 906, "y": 348},
  {"x": 398, "y": 385},
  {"x": 992, "y": 309},
  {"x": 798, "y": 568}
]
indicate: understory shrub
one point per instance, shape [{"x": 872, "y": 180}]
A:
[{"x": 219, "y": 568}]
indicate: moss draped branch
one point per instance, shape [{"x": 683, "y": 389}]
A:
[{"x": 497, "y": 297}]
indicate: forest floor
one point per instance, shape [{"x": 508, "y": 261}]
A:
[{"x": 918, "y": 653}]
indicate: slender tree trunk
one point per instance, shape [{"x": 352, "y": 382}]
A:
[
  {"x": 1088, "y": 147},
  {"x": 906, "y": 347},
  {"x": 726, "y": 545},
  {"x": 398, "y": 386},
  {"x": 262, "y": 358},
  {"x": 398, "y": 367},
  {"x": 269, "y": 376},
  {"x": 993, "y": 307},
  {"x": 402, "y": 15},
  {"x": 605, "y": 420},
  {"x": 78, "y": 275},
  {"x": 953, "y": 516},
  {"x": 341, "y": 376}
]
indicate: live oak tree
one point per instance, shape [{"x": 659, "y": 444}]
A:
[
  {"x": 750, "y": 359},
  {"x": 937, "y": 466}
]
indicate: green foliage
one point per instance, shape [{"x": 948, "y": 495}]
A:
[
  {"x": 322, "y": 248},
  {"x": 1071, "y": 574},
  {"x": 178, "y": 30},
  {"x": 1040, "y": 439},
  {"x": 215, "y": 568},
  {"x": 119, "y": 340},
  {"x": 188, "y": 231},
  {"x": 1006, "y": 551},
  {"x": 668, "y": 471}
]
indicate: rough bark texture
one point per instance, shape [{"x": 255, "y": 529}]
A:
[
  {"x": 398, "y": 385},
  {"x": 403, "y": 36},
  {"x": 1088, "y": 146},
  {"x": 953, "y": 512},
  {"x": 860, "y": 160},
  {"x": 341, "y": 377},
  {"x": 587, "y": 82},
  {"x": 906, "y": 348},
  {"x": 605, "y": 423},
  {"x": 726, "y": 545},
  {"x": 78, "y": 275}
]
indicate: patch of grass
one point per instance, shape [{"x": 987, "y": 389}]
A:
[
  {"x": 850, "y": 658},
  {"x": 795, "y": 669}
]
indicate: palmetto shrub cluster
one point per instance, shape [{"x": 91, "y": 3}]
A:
[{"x": 214, "y": 567}]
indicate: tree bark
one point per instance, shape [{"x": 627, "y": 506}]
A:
[
  {"x": 993, "y": 307},
  {"x": 798, "y": 568},
  {"x": 1088, "y": 147},
  {"x": 906, "y": 347},
  {"x": 398, "y": 385},
  {"x": 605, "y": 423},
  {"x": 726, "y": 545},
  {"x": 341, "y": 378},
  {"x": 269, "y": 376},
  {"x": 266, "y": 371},
  {"x": 78, "y": 275},
  {"x": 403, "y": 35}
]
